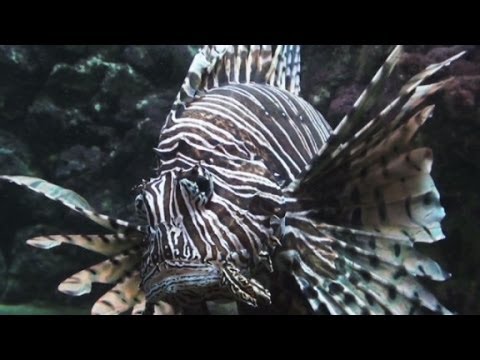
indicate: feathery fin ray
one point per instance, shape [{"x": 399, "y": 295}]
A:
[
  {"x": 71, "y": 200},
  {"x": 121, "y": 247},
  {"x": 218, "y": 65},
  {"x": 385, "y": 200}
]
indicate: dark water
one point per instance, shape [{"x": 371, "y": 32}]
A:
[{"x": 87, "y": 118}]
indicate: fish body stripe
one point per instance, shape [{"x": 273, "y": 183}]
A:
[{"x": 253, "y": 139}]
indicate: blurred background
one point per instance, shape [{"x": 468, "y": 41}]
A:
[{"x": 87, "y": 118}]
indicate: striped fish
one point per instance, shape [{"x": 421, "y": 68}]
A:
[{"x": 256, "y": 197}]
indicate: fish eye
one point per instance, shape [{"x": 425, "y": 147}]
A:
[
  {"x": 203, "y": 184},
  {"x": 199, "y": 184}
]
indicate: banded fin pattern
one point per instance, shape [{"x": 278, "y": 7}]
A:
[
  {"x": 364, "y": 272},
  {"x": 122, "y": 249},
  {"x": 107, "y": 245},
  {"x": 106, "y": 272},
  {"x": 376, "y": 180},
  {"x": 381, "y": 200},
  {"x": 124, "y": 296},
  {"x": 219, "y": 65},
  {"x": 73, "y": 201},
  {"x": 353, "y": 130},
  {"x": 352, "y": 217}
]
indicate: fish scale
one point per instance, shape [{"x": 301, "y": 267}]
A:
[{"x": 255, "y": 190}]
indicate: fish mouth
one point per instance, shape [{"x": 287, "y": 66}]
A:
[{"x": 183, "y": 282}]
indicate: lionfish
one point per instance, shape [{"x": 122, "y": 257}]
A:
[{"x": 253, "y": 183}]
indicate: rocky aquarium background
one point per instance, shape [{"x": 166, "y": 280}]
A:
[{"x": 87, "y": 118}]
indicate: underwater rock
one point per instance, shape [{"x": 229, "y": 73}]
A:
[
  {"x": 134, "y": 155},
  {"x": 334, "y": 74},
  {"x": 3, "y": 274},
  {"x": 42, "y": 309},
  {"x": 18, "y": 59},
  {"x": 115, "y": 103},
  {"x": 26, "y": 61},
  {"x": 70, "y": 53},
  {"x": 84, "y": 168},
  {"x": 50, "y": 128},
  {"x": 81, "y": 168},
  {"x": 91, "y": 83},
  {"x": 156, "y": 106},
  {"x": 463, "y": 98},
  {"x": 326, "y": 68},
  {"x": 344, "y": 98},
  {"x": 78, "y": 159},
  {"x": 24, "y": 70},
  {"x": 14, "y": 156},
  {"x": 76, "y": 84},
  {"x": 128, "y": 156},
  {"x": 112, "y": 197},
  {"x": 164, "y": 65},
  {"x": 440, "y": 53},
  {"x": 111, "y": 53},
  {"x": 370, "y": 58}
]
